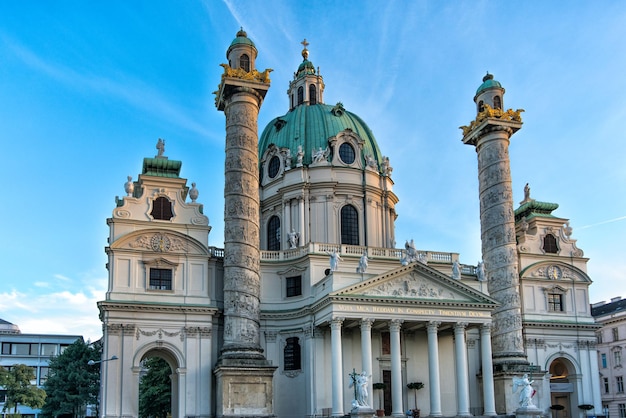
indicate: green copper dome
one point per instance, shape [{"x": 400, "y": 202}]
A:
[
  {"x": 305, "y": 68},
  {"x": 488, "y": 82},
  {"x": 241, "y": 39},
  {"x": 312, "y": 126}
]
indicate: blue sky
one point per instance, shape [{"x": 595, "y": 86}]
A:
[{"x": 87, "y": 88}]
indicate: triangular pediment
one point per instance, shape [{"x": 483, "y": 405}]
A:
[{"x": 415, "y": 282}]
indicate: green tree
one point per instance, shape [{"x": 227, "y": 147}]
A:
[
  {"x": 18, "y": 388},
  {"x": 155, "y": 389},
  {"x": 73, "y": 384}
]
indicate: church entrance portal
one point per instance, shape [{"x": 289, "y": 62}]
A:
[{"x": 562, "y": 388}]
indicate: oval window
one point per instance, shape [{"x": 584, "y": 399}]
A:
[
  {"x": 273, "y": 167},
  {"x": 346, "y": 153}
]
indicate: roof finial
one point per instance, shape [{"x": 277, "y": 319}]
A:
[{"x": 305, "y": 52}]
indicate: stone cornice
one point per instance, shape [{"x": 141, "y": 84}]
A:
[
  {"x": 561, "y": 325},
  {"x": 155, "y": 307}
]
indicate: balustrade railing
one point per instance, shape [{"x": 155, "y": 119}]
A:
[{"x": 350, "y": 251}]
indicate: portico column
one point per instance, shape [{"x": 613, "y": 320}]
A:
[
  {"x": 396, "y": 368},
  {"x": 366, "y": 353},
  {"x": 489, "y": 400},
  {"x": 433, "y": 369},
  {"x": 337, "y": 366},
  {"x": 462, "y": 381}
]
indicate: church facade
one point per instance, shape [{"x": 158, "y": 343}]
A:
[{"x": 310, "y": 290}]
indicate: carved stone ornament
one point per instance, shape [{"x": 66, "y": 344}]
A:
[{"x": 412, "y": 287}]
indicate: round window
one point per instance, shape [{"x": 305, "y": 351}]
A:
[
  {"x": 273, "y": 167},
  {"x": 346, "y": 153}
]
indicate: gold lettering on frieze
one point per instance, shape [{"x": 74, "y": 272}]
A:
[{"x": 429, "y": 312}]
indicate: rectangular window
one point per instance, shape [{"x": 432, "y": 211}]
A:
[
  {"x": 49, "y": 349},
  {"x": 555, "y": 302},
  {"x": 20, "y": 349},
  {"x": 617, "y": 357},
  {"x": 599, "y": 337},
  {"x": 294, "y": 286},
  {"x": 603, "y": 357},
  {"x": 160, "y": 279},
  {"x": 606, "y": 385},
  {"x": 619, "y": 384},
  {"x": 622, "y": 410},
  {"x": 615, "y": 334},
  {"x": 385, "y": 338},
  {"x": 43, "y": 375}
]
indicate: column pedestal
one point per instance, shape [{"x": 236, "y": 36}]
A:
[
  {"x": 362, "y": 412},
  {"x": 244, "y": 390}
]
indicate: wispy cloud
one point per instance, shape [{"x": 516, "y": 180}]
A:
[
  {"x": 133, "y": 92},
  {"x": 621, "y": 218}
]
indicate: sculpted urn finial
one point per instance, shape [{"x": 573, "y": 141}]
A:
[
  {"x": 129, "y": 186},
  {"x": 193, "y": 193}
]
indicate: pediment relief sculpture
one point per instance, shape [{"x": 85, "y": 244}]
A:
[{"x": 414, "y": 286}]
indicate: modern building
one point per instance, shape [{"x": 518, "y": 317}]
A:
[
  {"x": 611, "y": 345},
  {"x": 310, "y": 289},
  {"x": 33, "y": 350}
]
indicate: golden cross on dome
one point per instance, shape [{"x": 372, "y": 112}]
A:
[{"x": 305, "y": 43}]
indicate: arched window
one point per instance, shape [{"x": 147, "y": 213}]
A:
[
  {"x": 300, "y": 95},
  {"x": 244, "y": 62},
  {"x": 481, "y": 106},
  {"x": 349, "y": 225},
  {"x": 312, "y": 94},
  {"x": 162, "y": 209},
  {"x": 292, "y": 105},
  {"x": 273, "y": 234},
  {"x": 497, "y": 102},
  {"x": 549, "y": 244}
]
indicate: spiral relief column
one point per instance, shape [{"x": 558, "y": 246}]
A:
[
  {"x": 243, "y": 375},
  {"x": 490, "y": 133}
]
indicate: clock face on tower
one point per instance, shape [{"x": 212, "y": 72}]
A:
[
  {"x": 554, "y": 272},
  {"x": 160, "y": 243}
]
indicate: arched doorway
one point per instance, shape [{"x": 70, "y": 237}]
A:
[
  {"x": 158, "y": 385},
  {"x": 563, "y": 388}
]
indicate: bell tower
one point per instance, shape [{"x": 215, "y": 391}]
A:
[{"x": 244, "y": 377}]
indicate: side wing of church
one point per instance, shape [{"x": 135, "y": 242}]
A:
[{"x": 310, "y": 309}]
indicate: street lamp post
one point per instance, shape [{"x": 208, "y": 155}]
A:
[{"x": 92, "y": 362}]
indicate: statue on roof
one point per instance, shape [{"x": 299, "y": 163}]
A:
[
  {"x": 456, "y": 270},
  {"x": 299, "y": 156},
  {"x": 320, "y": 155},
  {"x": 527, "y": 197},
  {"x": 480, "y": 272},
  {"x": 293, "y": 239},
  {"x": 160, "y": 146},
  {"x": 363, "y": 263}
]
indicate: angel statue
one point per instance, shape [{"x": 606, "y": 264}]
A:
[
  {"x": 526, "y": 392},
  {"x": 359, "y": 382}
]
